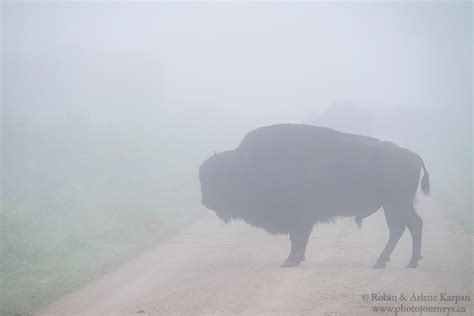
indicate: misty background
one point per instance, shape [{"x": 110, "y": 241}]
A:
[{"x": 108, "y": 109}]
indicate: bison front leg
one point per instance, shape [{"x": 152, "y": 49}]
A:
[{"x": 299, "y": 240}]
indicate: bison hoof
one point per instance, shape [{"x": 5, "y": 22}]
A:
[
  {"x": 289, "y": 264},
  {"x": 412, "y": 265},
  {"x": 379, "y": 265}
]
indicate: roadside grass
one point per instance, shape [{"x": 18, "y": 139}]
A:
[
  {"x": 43, "y": 260},
  {"x": 80, "y": 200}
]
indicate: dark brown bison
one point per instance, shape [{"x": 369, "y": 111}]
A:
[{"x": 286, "y": 178}]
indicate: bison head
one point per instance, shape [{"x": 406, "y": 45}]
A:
[{"x": 221, "y": 184}]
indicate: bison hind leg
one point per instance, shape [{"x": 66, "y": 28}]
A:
[
  {"x": 394, "y": 215},
  {"x": 415, "y": 226}
]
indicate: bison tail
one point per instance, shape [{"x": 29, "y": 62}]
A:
[
  {"x": 358, "y": 220},
  {"x": 425, "y": 181}
]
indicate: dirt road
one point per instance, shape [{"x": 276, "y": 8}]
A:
[{"x": 214, "y": 268}]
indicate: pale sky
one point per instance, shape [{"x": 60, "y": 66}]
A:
[{"x": 275, "y": 61}]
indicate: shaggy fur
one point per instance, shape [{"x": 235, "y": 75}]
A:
[{"x": 285, "y": 178}]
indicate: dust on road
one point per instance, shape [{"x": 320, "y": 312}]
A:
[{"x": 214, "y": 268}]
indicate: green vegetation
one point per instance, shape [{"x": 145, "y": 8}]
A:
[{"x": 81, "y": 197}]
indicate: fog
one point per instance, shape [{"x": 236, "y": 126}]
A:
[{"x": 108, "y": 109}]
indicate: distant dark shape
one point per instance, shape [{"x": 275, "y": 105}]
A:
[
  {"x": 345, "y": 117},
  {"x": 286, "y": 178}
]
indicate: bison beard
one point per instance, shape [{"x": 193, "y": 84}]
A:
[{"x": 286, "y": 178}]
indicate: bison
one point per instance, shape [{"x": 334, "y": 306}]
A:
[{"x": 285, "y": 178}]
